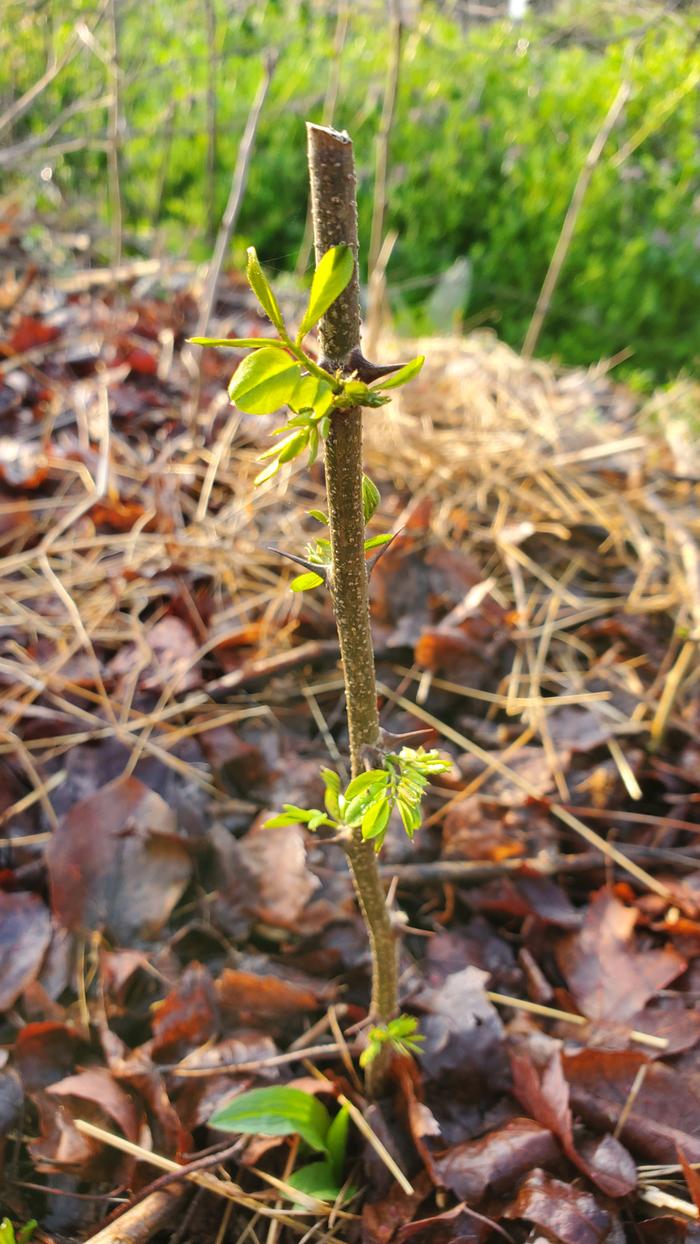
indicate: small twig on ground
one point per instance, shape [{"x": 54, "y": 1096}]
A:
[
  {"x": 141, "y": 1220},
  {"x": 230, "y": 1191},
  {"x": 567, "y": 1017}
]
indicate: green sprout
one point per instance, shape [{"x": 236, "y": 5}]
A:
[
  {"x": 400, "y": 1034},
  {"x": 279, "y": 372},
  {"x": 369, "y": 799}
]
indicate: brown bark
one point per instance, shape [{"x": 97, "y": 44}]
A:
[{"x": 334, "y": 210}]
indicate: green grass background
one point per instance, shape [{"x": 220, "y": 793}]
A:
[{"x": 493, "y": 124}]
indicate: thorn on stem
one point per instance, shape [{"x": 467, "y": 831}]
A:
[
  {"x": 380, "y": 553},
  {"x": 314, "y": 567}
]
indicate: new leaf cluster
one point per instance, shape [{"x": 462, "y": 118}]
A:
[{"x": 371, "y": 797}]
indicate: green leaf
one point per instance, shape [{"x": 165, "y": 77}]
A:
[
  {"x": 276, "y": 1111},
  {"x": 305, "y": 582},
  {"x": 410, "y": 817},
  {"x": 301, "y": 814},
  {"x": 318, "y": 1179},
  {"x": 375, "y": 541},
  {"x": 337, "y": 1141},
  {"x": 263, "y": 291},
  {"x": 355, "y": 809},
  {"x": 372, "y": 777},
  {"x": 237, "y": 343},
  {"x": 324, "y": 427},
  {"x": 354, "y": 391},
  {"x": 403, "y": 375},
  {"x": 370, "y": 497},
  {"x": 271, "y": 469},
  {"x": 376, "y": 818},
  {"x": 332, "y": 784},
  {"x": 263, "y": 382},
  {"x": 281, "y": 821},
  {"x": 313, "y": 446},
  {"x": 294, "y": 445},
  {"x": 27, "y": 1231},
  {"x": 311, "y": 394},
  {"x": 317, "y": 820},
  {"x": 7, "y": 1232},
  {"x": 319, "y": 516},
  {"x": 402, "y": 1026},
  {"x": 332, "y": 275}
]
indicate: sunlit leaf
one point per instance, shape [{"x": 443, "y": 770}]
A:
[
  {"x": 271, "y": 469},
  {"x": 319, "y": 516},
  {"x": 370, "y": 497},
  {"x": 376, "y": 818},
  {"x": 277, "y": 822},
  {"x": 237, "y": 343},
  {"x": 263, "y": 291},
  {"x": 311, "y": 393},
  {"x": 375, "y": 541},
  {"x": 332, "y": 275},
  {"x": 372, "y": 777},
  {"x": 304, "y": 582},
  {"x": 409, "y": 372},
  {"x": 276, "y": 1111},
  {"x": 294, "y": 445},
  {"x": 263, "y": 382},
  {"x": 313, "y": 446}
]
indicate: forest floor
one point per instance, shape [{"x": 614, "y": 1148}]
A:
[{"x": 163, "y": 692}]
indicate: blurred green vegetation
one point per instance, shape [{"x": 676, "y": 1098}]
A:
[{"x": 492, "y": 127}]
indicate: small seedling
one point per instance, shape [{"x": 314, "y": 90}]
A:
[
  {"x": 326, "y": 400},
  {"x": 9, "y": 1236},
  {"x": 400, "y": 1035},
  {"x": 285, "y": 1111}
]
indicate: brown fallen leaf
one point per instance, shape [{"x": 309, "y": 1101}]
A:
[
  {"x": 172, "y": 661},
  {"x": 25, "y": 932},
  {"x": 464, "y": 1036},
  {"x": 116, "y": 863},
  {"x": 45, "y": 1053},
  {"x": 276, "y": 860},
  {"x": 453, "y": 1226},
  {"x": 247, "y": 998},
  {"x": 383, "y": 1218},
  {"x": 663, "y": 1230},
  {"x": 567, "y": 1214},
  {"x": 495, "y": 1162},
  {"x": 609, "y": 977},
  {"x": 187, "y": 1017},
  {"x": 664, "y": 1116},
  {"x": 93, "y": 1095},
  {"x": 545, "y": 1094}
]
